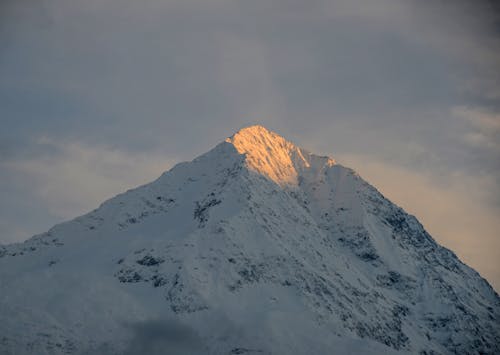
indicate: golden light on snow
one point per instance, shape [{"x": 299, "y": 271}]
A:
[{"x": 273, "y": 156}]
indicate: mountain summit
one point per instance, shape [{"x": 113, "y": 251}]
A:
[
  {"x": 274, "y": 157},
  {"x": 256, "y": 247}
]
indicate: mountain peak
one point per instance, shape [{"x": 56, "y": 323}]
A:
[
  {"x": 323, "y": 261},
  {"x": 254, "y": 129},
  {"x": 255, "y": 135},
  {"x": 273, "y": 156}
]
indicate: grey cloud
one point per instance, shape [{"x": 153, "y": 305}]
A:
[
  {"x": 146, "y": 75},
  {"x": 164, "y": 336},
  {"x": 60, "y": 180}
]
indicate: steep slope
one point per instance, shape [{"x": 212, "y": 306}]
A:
[{"x": 257, "y": 246}]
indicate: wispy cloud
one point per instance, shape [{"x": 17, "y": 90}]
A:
[
  {"x": 70, "y": 178},
  {"x": 164, "y": 336},
  {"x": 485, "y": 127}
]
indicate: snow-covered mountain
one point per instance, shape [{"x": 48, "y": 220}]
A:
[{"x": 256, "y": 247}]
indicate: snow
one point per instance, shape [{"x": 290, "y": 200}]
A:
[
  {"x": 257, "y": 246},
  {"x": 274, "y": 157}
]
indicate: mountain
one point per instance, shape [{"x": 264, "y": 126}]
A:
[{"x": 256, "y": 247}]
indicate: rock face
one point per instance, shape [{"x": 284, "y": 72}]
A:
[{"x": 256, "y": 247}]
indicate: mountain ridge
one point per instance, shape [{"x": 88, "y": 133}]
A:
[{"x": 279, "y": 250}]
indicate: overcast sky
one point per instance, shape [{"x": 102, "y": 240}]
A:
[{"x": 98, "y": 96}]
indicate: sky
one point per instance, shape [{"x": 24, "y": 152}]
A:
[{"x": 99, "y": 96}]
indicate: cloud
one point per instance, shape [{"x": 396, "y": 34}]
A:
[
  {"x": 78, "y": 176},
  {"x": 164, "y": 336},
  {"x": 485, "y": 127},
  {"x": 68, "y": 179}
]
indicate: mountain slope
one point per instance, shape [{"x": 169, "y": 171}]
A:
[{"x": 257, "y": 246}]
